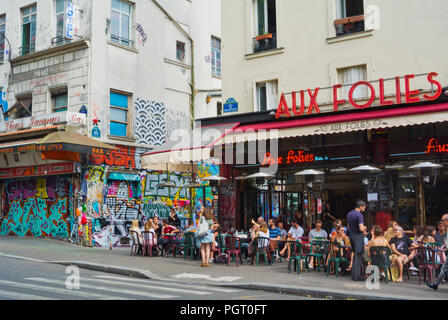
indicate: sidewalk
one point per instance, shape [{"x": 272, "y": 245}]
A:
[{"x": 272, "y": 278}]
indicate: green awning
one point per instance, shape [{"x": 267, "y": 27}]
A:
[{"x": 124, "y": 176}]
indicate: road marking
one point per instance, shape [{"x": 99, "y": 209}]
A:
[
  {"x": 169, "y": 284},
  {"x": 203, "y": 276},
  {"x": 144, "y": 286},
  {"x": 23, "y": 296},
  {"x": 56, "y": 290},
  {"x": 110, "y": 289}
]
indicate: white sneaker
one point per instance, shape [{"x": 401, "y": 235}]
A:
[
  {"x": 413, "y": 269},
  {"x": 211, "y": 260}
]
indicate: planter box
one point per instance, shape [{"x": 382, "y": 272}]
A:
[{"x": 264, "y": 36}]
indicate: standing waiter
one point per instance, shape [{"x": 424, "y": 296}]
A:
[{"x": 356, "y": 228}]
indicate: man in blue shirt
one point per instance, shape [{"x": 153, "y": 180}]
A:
[{"x": 356, "y": 228}]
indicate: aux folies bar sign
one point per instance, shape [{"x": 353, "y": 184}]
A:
[{"x": 411, "y": 96}]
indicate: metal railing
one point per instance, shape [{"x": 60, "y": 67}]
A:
[
  {"x": 265, "y": 42},
  {"x": 59, "y": 40},
  {"x": 349, "y": 25},
  {"x": 122, "y": 41},
  {"x": 30, "y": 48}
]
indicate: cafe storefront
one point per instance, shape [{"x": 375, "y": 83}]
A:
[{"x": 389, "y": 136}]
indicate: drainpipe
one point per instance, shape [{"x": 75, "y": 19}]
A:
[{"x": 192, "y": 83}]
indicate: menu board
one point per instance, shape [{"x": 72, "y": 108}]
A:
[{"x": 382, "y": 185}]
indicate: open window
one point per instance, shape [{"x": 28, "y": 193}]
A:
[
  {"x": 266, "y": 94},
  {"x": 2, "y": 37},
  {"x": 350, "y": 16},
  {"x": 23, "y": 108},
  {"x": 265, "y": 25},
  {"x": 28, "y": 30}
]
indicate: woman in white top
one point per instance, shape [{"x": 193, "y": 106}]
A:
[{"x": 263, "y": 232}]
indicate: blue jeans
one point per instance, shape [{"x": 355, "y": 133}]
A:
[{"x": 357, "y": 241}]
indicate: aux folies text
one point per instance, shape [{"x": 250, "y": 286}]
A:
[{"x": 411, "y": 96}]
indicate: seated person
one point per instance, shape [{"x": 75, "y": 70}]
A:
[
  {"x": 139, "y": 239},
  {"x": 247, "y": 247},
  {"x": 334, "y": 231},
  {"x": 318, "y": 232},
  {"x": 174, "y": 219},
  {"x": 283, "y": 235},
  {"x": 378, "y": 240},
  {"x": 401, "y": 245},
  {"x": 168, "y": 229},
  {"x": 262, "y": 244},
  {"x": 274, "y": 235},
  {"x": 294, "y": 233},
  {"x": 342, "y": 239}
]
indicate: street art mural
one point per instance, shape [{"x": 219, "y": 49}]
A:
[
  {"x": 37, "y": 207},
  {"x": 94, "y": 178},
  {"x": 120, "y": 202}
]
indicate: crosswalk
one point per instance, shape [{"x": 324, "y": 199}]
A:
[{"x": 105, "y": 287}]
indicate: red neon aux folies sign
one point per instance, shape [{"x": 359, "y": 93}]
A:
[
  {"x": 292, "y": 158},
  {"x": 411, "y": 96}
]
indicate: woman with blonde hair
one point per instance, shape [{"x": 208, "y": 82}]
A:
[
  {"x": 149, "y": 227},
  {"x": 390, "y": 230},
  {"x": 136, "y": 229},
  {"x": 206, "y": 235}
]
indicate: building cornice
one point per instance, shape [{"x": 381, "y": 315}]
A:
[{"x": 47, "y": 53}]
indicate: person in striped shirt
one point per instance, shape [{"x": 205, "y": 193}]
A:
[{"x": 274, "y": 235}]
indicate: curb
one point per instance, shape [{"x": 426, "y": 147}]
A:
[
  {"x": 129, "y": 272},
  {"x": 325, "y": 293},
  {"x": 133, "y": 273}
]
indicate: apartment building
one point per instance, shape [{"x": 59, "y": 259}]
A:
[{"x": 337, "y": 85}]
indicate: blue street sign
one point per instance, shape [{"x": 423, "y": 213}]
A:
[{"x": 231, "y": 105}]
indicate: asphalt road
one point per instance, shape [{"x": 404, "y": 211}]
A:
[{"x": 25, "y": 280}]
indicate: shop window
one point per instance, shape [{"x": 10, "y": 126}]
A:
[
  {"x": 265, "y": 25},
  {"x": 350, "y": 16},
  {"x": 121, "y": 17},
  {"x": 216, "y": 56},
  {"x": 60, "y": 100},
  {"x": 348, "y": 76},
  {"x": 2, "y": 37},
  {"x": 28, "y": 30},
  {"x": 266, "y": 94},
  {"x": 180, "y": 51},
  {"x": 119, "y": 114}
]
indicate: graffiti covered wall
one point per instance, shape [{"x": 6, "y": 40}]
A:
[
  {"x": 124, "y": 201},
  {"x": 37, "y": 207}
]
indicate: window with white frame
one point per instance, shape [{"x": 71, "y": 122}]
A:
[
  {"x": 119, "y": 114},
  {"x": 266, "y": 94},
  {"x": 216, "y": 56},
  {"x": 28, "y": 30},
  {"x": 265, "y": 25},
  {"x": 2, "y": 37},
  {"x": 121, "y": 22},
  {"x": 351, "y": 75}
]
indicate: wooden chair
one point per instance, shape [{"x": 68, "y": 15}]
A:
[{"x": 148, "y": 242}]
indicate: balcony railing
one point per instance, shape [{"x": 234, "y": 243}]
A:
[
  {"x": 265, "y": 42},
  {"x": 59, "y": 40},
  {"x": 349, "y": 25},
  {"x": 30, "y": 48}
]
